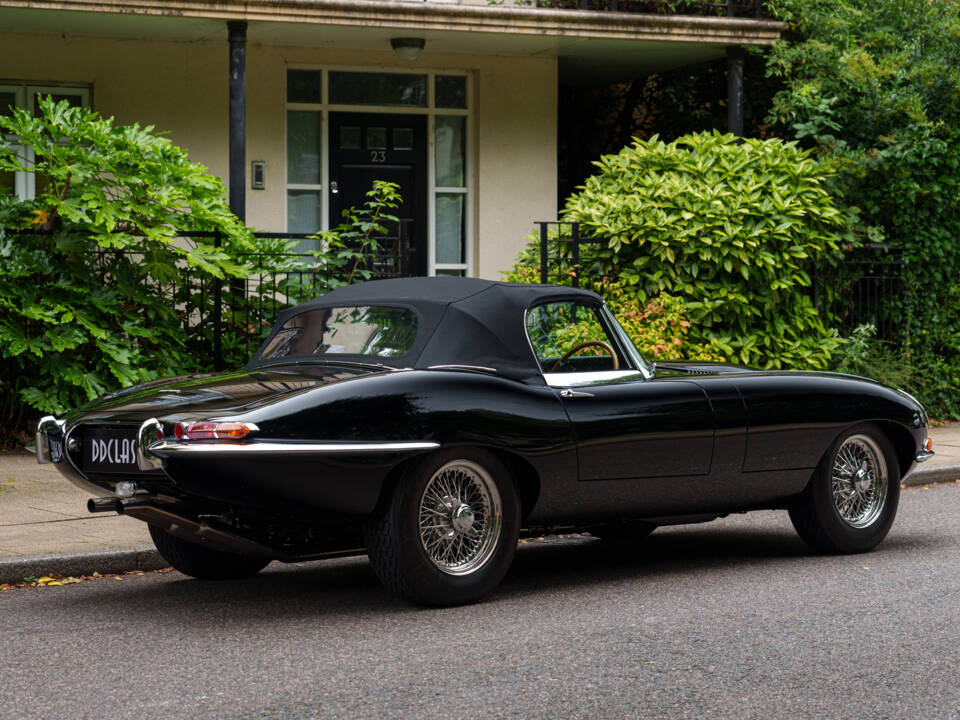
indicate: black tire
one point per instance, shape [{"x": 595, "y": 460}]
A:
[
  {"x": 624, "y": 532},
  {"x": 203, "y": 563},
  {"x": 398, "y": 546},
  {"x": 852, "y": 499}
]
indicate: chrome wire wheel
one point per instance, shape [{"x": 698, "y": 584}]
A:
[
  {"x": 859, "y": 480},
  {"x": 460, "y": 517}
]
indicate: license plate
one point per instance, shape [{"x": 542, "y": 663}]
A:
[{"x": 110, "y": 450}]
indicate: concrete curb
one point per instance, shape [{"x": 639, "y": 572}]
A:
[
  {"x": 934, "y": 474},
  {"x": 114, "y": 561}
]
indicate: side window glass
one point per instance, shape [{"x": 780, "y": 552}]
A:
[{"x": 568, "y": 337}]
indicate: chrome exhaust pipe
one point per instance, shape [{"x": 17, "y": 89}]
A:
[
  {"x": 104, "y": 504},
  {"x": 143, "y": 502}
]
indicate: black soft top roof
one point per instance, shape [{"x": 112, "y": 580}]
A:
[{"x": 462, "y": 321}]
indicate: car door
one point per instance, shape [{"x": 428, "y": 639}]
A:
[{"x": 627, "y": 426}]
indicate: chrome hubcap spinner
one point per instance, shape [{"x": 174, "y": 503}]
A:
[
  {"x": 858, "y": 481},
  {"x": 460, "y": 517}
]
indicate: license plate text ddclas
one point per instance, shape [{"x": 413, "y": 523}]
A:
[{"x": 110, "y": 450}]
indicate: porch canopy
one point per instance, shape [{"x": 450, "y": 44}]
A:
[
  {"x": 181, "y": 65},
  {"x": 592, "y": 47}
]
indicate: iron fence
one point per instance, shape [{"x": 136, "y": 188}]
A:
[
  {"x": 569, "y": 254},
  {"x": 867, "y": 287},
  {"x": 224, "y": 321}
]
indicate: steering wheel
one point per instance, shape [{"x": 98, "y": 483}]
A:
[{"x": 580, "y": 346}]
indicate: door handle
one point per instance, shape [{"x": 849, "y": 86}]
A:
[
  {"x": 574, "y": 394},
  {"x": 334, "y": 188}
]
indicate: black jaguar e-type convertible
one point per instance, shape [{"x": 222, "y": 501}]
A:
[{"x": 430, "y": 421}]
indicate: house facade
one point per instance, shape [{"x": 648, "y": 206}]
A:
[{"x": 300, "y": 104}]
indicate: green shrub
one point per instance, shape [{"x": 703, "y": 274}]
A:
[
  {"x": 350, "y": 250},
  {"x": 658, "y": 326},
  {"x": 863, "y": 354},
  {"x": 728, "y": 226},
  {"x": 81, "y": 311},
  {"x": 97, "y": 289},
  {"x": 873, "y": 87}
]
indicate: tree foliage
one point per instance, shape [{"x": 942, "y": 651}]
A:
[
  {"x": 102, "y": 285},
  {"x": 658, "y": 326},
  {"x": 873, "y": 87},
  {"x": 730, "y": 228},
  {"x": 82, "y": 262}
]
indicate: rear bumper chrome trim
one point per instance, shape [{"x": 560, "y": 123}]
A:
[
  {"x": 167, "y": 448},
  {"x": 52, "y": 448},
  {"x": 923, "y": 456},
  {"x": 147, "y": 436},
  {"x": 46, "y": 452}
]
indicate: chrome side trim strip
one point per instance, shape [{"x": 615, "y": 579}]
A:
[
  {"x": 591, "y": 377},
  {"x": 479, "y": 368},
  {"x": 166, "y": 448}
]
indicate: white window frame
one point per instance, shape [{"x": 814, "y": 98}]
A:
[
  {"x": 431, "y": 112},
  {"x": 25, "y": 182}
]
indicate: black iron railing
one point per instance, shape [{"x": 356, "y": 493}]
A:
[
  {"x": 865, "y": 288},
  {"x": 243, "y": 310},
  {"x": 568, "y": 252},
  {"x": 225, "y": 320}
]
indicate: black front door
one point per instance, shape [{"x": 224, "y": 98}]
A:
[
  {"x": 641, "y": 429},
  {"x": 365, "y": 147}
]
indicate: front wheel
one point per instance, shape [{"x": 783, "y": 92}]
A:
[
  {"x": 447, "y": 533},
  {"x": 203, "y": 563},
  {"x": 851, "y": 502}
]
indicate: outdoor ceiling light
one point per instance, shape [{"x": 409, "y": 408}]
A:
[{"x": 407, "y": 48}]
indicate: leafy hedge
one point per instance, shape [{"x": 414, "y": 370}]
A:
[
  {"x": 729, "y": 227},
  {"x": 98, "y": 290},
  {"x": 658, "y": 326},
  {"x": 873, "y": 87}
]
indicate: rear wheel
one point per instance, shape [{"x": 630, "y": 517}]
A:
[
  {"x": 851, "y": 502},
  {"x": 203, "y": 563},
  {"x": 447, "y": 533}
]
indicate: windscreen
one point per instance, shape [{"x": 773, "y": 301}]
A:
[{"x": 372, "y": 330}]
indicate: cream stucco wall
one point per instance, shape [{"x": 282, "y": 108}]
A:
[{"x": 181, "y": 88}]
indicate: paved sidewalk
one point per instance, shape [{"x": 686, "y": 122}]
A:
[{"x": 45, "y": 527}]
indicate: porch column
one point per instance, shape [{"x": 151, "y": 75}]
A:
[
  {"x": 237, "y": 33},
  {"x": 735, "y": 57}
]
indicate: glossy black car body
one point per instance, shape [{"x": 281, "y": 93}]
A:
[{"x": 335, "y": 438}]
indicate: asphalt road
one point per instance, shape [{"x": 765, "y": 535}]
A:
[{"x": 732, "y": 619}]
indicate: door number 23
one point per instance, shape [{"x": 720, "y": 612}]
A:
[{"x": 378, "y": 156}]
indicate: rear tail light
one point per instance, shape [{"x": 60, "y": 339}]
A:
[{"x": 213, "y": 431}]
